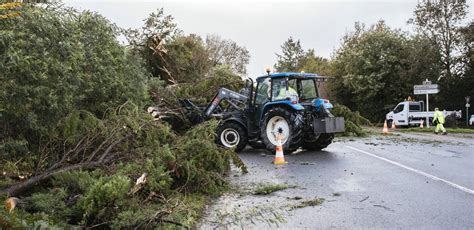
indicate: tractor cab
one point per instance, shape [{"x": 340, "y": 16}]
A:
[
  {"x": 287, "y": 104},
  {"x": 294, "y": 90},
  {"x": 295, "y": 87}
]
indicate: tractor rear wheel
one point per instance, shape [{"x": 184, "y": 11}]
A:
[
  {"x": 285, "y": 122},
  {"x": 231, "y": 135},
  {"x": 318, "y": 143}
]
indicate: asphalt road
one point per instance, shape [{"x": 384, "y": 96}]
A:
[{"x": 404, "y": 181}]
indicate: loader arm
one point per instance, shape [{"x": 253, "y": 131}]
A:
[{"x": 235, "y": 100}]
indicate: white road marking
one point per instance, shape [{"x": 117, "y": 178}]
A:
[{"x": 454, "y": 185}]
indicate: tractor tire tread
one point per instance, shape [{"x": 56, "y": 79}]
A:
[
  {"x": 241, "y": 130},
  {"x": 295, "y": 121}
]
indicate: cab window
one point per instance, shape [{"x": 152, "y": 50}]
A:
[
  {"x": 415, "y": 108},
  {"x": 263, "y": 92},
  {"x": 278, "y": 89},
  {"x": 308, "y": 89},
  {"x": 399, "y": 108}
]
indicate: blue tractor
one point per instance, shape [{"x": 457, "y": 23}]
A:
[{"x": 279, "y": 103}]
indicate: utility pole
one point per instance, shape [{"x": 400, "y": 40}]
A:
[
  {"x": 427, "y": 110},
  {"x": 467, "y": 109}
]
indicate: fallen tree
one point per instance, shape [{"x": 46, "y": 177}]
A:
[{"x": 122, "y": 146}]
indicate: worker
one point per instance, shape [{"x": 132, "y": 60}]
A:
[
  {"x": 283, "y": 93},
  {"x": 438, "y": 119}
]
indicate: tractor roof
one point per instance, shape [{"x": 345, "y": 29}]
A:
[{"x": 290, "y": 74}]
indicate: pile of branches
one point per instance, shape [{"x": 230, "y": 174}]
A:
[
  {"x": 99, "y": 171},
  {"x": 166, "y": 97},
  {"x": 353, "y": 120}
]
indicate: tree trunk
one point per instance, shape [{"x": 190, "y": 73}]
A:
[{"x": 20, "y": 187}]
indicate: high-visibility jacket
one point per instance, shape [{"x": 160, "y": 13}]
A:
[
  {"x": 282, "y": 92},
  {"x": 439, "y": 116}
]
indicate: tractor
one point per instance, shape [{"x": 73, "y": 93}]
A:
[{"x": 280, "y": 103}]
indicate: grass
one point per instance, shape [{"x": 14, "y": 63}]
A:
[
  {"x": 265, "y": 189},
  {"x": 307, "y": 203},
  {"x": 431, "y": 130}
]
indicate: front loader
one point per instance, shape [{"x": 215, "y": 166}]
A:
[{"x": 281, "y": 103}]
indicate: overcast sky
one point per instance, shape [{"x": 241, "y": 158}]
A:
[{"x": 263, "y": 25}]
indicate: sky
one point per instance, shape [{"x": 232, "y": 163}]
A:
[{"x": 263, "y": 25}]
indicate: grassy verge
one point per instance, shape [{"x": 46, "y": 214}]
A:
[{"x": 431, "y": 130}]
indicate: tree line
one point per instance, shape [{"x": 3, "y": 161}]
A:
[{"x": 376, "y": 66}]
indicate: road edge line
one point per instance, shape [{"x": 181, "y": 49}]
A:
[{"x": 435, "y": 178}]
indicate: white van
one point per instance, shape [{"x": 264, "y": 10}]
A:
[{"x": 411, "y": 113}]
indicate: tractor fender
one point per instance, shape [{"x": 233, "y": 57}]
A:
[
  {"x": 237, "y": 120},
  {"x": 285, "y": 104}
]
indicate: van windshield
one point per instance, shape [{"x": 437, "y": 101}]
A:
[{"x": 399, "y": 108}]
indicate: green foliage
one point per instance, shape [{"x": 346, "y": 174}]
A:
[
  {"x": 76, "y": 181},
  {"x": 307, "y": 203},
  {"x": 77, "y": 124},
  {"x": 370, "y": 70},
  {"x": 311, "y": 63},
  {"x": 439, "y": 22},
  {"x": 353, "y": 120},
  {"x": 292, "y": 53},
  {"x": 55, "y": 60},
  {"x": 188, "y": 59},
  {"x": 176, "y": 58},
  {"x": 100, "y": 199},
  {"x": 200, "y": 164},
  {"x": 50, "y": 203},
  {"x": 265, "y": 189}
]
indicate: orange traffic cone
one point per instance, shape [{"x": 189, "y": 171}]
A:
[
  {"x": 421, "y": 124},
  {"x": 385, "y": 129},
  {"x": 279, "y": 157},
  {"x": 393, "y": 125}
]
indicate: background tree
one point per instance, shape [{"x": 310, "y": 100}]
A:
[
  {"x": 439, "y": 22},
  {"x": 371, "y": 70},
  {"x": 150, "y": 43},
  {"x": 291, "y": 55},
  {"x": 227, "y": 52},
  {"x": 454, "y": 89},
  {"x": 178, "y": 58}
]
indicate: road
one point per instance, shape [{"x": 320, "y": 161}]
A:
[{"x": 401, "y": 181}]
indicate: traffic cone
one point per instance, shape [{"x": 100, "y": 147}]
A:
[
  {"x": 279, "y": 157},
  {"x": 394, "y": 126},
  {"x": 385, "y": 129},
  {"x": 421, "y": 124}
]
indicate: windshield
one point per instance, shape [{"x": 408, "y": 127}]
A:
[{"x": 399, "y": 108}]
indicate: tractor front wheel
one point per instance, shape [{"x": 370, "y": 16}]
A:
[
  {"x": 285, "y": 122},
  {"x": 231, "y": 135}
]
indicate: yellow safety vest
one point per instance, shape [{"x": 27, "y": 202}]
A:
[
  {"x": 282, "y": 92},
  {"x": 438, "y": 115}
]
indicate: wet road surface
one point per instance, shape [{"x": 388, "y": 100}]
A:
[{"x": 403, "y": 181}]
